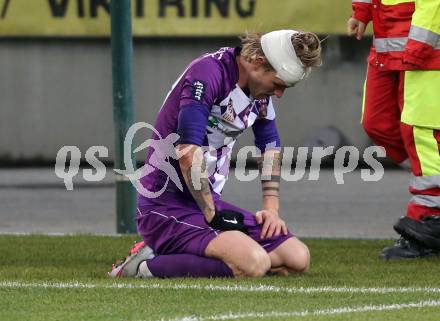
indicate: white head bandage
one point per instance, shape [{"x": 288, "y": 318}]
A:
[{"x": 279, "y": 51}]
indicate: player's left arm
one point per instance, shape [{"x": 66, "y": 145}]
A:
[
  {"x": 269, "y": 165},
  {"x": 267, "y": 140}
]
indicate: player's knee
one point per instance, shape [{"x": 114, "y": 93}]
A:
[
  {"x": 256, "y": 264},
  {"x": 303, "y": 260},
  {"x": 299, "y": 260}
]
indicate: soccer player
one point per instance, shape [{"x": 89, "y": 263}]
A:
[
  {"x": 401, "y": 109},
  {"x": 192, "y": 231}
]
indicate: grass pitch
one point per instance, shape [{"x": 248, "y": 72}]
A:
[{"x": 64, "y": 278}]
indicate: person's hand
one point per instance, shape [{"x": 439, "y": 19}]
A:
[
  {"x": 355, "y": 28},
  {"x": 273, "y": 225},
  {"x": 228, "y": 220}
]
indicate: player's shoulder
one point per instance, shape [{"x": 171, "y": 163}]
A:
[
  {"x": 216, "y": 71},
  {"x": 220, "y": 60},
  {"x": 221, "y": 54}
]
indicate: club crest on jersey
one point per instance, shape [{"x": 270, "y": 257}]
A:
[
  {"x": 262, "y": 108},
  {"x": 198, "y": 90},
  {"x": 228, "y": 112}
]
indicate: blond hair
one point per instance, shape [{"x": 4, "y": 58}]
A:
[{"x": 307, "y": 47}]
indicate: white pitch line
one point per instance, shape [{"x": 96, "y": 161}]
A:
[
  {"x": 212, "y": 287},
  {"x": 306, "y": 313}
]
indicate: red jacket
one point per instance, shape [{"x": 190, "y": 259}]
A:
[{"x": 398, "y": 43}]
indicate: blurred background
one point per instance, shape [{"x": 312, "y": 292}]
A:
[
  {"x": 56, "y": 90},
  {"x": 56, "y": 81}
]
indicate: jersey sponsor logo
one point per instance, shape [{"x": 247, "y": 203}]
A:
[
  {"x": 215, "y": 124},
  {"x": 198, "y": 91},
  {"x": 228, "y": 112}
]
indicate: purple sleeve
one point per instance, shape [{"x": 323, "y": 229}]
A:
[
  {"x": 201, "y": 87},
  {"x": 265, "y": 132},
  {"x": 191, "y": 124},
  {"x": 202, "y": 83}
]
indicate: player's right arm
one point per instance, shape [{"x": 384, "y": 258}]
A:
[
  {"x": 362, "y": 14},
  {"x": 201, "y": 87},
  {"x": 193, "y": 166}
]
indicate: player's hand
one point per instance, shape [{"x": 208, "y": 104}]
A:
[
  {"x": 355, "y": 28},
  {"x": 228, "y": 220},
  {"x": 273, "y": 225}
]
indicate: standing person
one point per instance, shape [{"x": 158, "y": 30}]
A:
[
  {"x": 401, "y": 108},
  {"x": 189, "y": 228}
]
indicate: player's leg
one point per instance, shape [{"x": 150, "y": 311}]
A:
[
  {"x": 181, "y": 237},
  {"x": 178, "y": 227},
  {"x": 292, "y": 254},
  {"x": 185, "y": 265},
  {"x": 244, "y": 256},
  {"x": 285, "y": 252},
  {"x": 178, "y": 234},
  {"x": 144, "y": 264},
  {"x": 231, "y": 253}
]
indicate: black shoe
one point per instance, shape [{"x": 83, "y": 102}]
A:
[
  {"x": 405, "y": 249},
  {"x": 426, "y": 231}
]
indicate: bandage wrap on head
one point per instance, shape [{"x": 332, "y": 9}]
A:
[{"x": 279, "y": 51}]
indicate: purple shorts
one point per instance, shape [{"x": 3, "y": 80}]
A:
[{"x": 172, "y": 225}]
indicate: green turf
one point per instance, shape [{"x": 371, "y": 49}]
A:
[{"x": 80, "y": 261}]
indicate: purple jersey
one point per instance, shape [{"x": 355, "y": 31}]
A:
[{"x": 211, "y": 81}]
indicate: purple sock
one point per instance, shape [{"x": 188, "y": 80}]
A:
[{"x": 187, "y": 265}]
